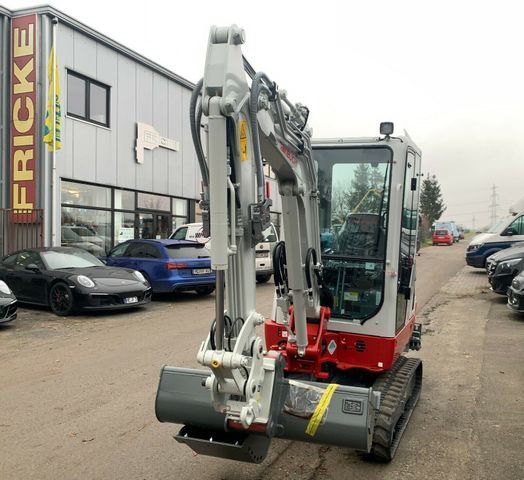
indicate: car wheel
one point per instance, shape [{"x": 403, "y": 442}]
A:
[
  {"x": 263, "y": 278},
  {"x": 202, "y": 291},
  {"x": 61, "y": 299}
]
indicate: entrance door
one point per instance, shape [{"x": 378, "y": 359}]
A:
[{"x": 152, "y": 225}]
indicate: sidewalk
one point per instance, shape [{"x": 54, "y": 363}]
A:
[{"x": 472, "y": 409}]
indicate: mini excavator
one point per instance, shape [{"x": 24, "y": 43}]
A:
[{"x": 331, "y": 368}]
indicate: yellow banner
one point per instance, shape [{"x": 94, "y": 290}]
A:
[{"x": 52, "y": 127}]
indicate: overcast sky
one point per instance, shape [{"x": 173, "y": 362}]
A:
[{"x": 450, "y": 73}]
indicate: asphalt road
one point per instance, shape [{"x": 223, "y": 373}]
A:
[{"x": 77, "y": 395}]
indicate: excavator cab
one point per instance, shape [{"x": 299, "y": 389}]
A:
[{"x": 368, "y": 190}]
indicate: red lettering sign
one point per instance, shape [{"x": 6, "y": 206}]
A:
[{"x": 23, "y": 115}]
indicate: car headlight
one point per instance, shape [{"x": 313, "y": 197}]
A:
[
  {"x": 139, "y": 276},
  {"x": 85, "y": 281},
  {"x": 507, "y": 265},
  {"x": 4, "y": 288},
  {"x": 474, "y": 247},
  {"x": 517, "y": 284}
]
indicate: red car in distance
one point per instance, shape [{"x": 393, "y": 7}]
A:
[{"x": 442, "y": 235}]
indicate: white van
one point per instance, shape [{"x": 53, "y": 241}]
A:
[
  {"x": 191, "y": 231},
  {"x": 503, "y": 234},
  {"x": 263, "y": 250}
]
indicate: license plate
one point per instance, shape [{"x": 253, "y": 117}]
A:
[
  {"x": 261, "y": 254},
  {"x": 131, "y": 300},
  {"x": 201, "y": 271}
]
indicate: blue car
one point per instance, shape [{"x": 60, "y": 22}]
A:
[{"x": 168, "y": 265}]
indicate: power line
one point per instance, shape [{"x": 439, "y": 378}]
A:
[{"x": 493, "y": 205}]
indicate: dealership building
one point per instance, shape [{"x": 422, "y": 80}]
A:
[{"x": 126, "y": 167}]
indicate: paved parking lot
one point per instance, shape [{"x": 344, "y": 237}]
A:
[{"x": 77, "y": 393}]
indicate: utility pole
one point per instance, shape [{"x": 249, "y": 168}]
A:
[{"x": 493, "y": 205}]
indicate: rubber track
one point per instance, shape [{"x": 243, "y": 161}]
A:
[{"x": 395, "y": 407}]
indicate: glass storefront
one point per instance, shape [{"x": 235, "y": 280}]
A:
[{"x": 96, "y": 217}]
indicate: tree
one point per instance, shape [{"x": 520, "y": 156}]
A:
[{"x": 431, "y": 202}]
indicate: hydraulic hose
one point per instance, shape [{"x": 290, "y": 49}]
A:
[
  {"x": 279, "y": 267},
  {"x": 326, "y": 297},
  {"x": 194, "y": 121},
  {"x": 257, "y": 86}
]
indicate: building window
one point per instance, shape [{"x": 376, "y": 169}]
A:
[
  {"x": 85, "y": 194},
  {"x": 87, "y": 228},
  {"x": 96, "y": 217},
  {"x": 150, "y": 201},
  {"x": 87, "y": 99}
]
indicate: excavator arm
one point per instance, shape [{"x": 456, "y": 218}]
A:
[{"x": 249, "y": 125}]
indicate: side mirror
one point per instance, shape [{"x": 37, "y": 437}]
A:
[
  {"x": 32, "y": 267},
  {"x": 510, "y": 231}
]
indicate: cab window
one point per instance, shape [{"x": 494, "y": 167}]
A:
[
  {"x": 142, "y": 250},
  {"x": 27, "y": 258},
  {"x": 180, "y": 234},
  {"x": 10, "y": 260},
  {"x": 518, "y": 226},
  {"x": 119, "y": 250}
]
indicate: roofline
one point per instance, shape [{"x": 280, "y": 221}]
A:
[{"x": 99, "y": 37}]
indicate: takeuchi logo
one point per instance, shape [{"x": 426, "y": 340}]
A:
[{"x": 288, "y": 154}]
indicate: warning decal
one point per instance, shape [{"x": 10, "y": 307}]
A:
[{"x": 243, "y": 140}]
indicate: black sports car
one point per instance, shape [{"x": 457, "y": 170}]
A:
[
  {"x": 67, "y": 278},
  {"x": 8, "y": 304}
]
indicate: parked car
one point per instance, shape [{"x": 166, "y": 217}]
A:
[
  {"x": 264, "y": 255},
  {"x": 516, "y": 294},
  {"x": 67, "y": 279},
  {"x": 451, "y": 226},
  {"x": 497, "y": 255},
  {"x": 503, "y": 267},
  {"x": 442, "y": 235},
  {"x": 191, "y": 231},
  {"x": 8, "y": 304},
  {"x": 168, "y": 265},
  {"x": 264, "y": 249},
  {"x": 86, "y": 234},
  {"x": 72, "y": 239},
  {"x": 503, "y": 234}
]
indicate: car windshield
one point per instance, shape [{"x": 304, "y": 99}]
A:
[
  {"x": 56, "y": 260},
  {"x": 269, "y": 234},
  {"x": 187, "y": 251},
  {"x": 497, "y": 227}
]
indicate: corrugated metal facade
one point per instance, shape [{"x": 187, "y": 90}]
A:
[
  {"x": 139, "y": 91},
  {"x": 138, "y": 94}
]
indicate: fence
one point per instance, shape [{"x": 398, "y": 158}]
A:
[{"x": 20, "y": 229}]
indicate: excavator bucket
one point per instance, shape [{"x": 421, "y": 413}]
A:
[{"x": 309, "y": 412}]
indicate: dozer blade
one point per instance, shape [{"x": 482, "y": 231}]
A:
[{"x": 309, "y": 412}]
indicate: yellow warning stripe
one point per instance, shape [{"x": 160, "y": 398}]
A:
[{"x": 319, "y": 412}]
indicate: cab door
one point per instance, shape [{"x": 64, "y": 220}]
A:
[
  {"x": 30, "y": 281},
  {"x": 408, "y": 239}
]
